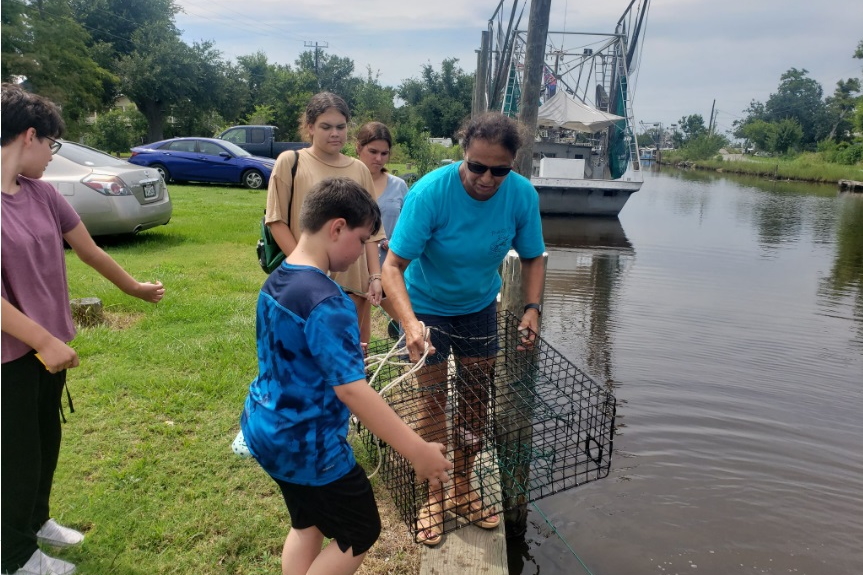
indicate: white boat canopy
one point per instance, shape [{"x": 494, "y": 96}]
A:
[{"x": 562, "y": 111}]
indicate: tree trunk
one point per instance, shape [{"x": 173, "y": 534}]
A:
[{"x": 152, "y": 110}]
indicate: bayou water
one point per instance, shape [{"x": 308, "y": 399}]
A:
[{"x": 727, "y": 316}]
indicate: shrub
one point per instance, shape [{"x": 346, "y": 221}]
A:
[{"x": 117, "y": 130}]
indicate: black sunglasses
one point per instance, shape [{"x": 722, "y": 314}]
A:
[{"x": 496, "y": 171}]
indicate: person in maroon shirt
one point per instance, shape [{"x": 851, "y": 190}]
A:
[{"x": 37, "y": 319}]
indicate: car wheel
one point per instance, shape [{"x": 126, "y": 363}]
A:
[
  {"x": 163, "y": 171},
  {"x": 253, "y": 179}
]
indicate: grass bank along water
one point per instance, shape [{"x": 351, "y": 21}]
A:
[
  {"x": 146, "y": 468},
  {"x": 805, "y": 167}
]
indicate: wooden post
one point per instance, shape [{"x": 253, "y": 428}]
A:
[
  {"x": 87, "y": 311},
  {"x": 534, "y": 65},
  {"x": 513, "y": 416},
  {"x": 480, "y": 92}
]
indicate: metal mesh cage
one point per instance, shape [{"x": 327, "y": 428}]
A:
[{"x": 522, "y": 427}]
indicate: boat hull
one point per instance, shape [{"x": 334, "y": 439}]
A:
[{"x": 566, "y": 197}]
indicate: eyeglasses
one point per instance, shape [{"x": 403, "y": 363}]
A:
[
  {"x": 496, "y": 171},
  {"x": 55, "y": 145}
]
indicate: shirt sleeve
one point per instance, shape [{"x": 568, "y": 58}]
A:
[{"x": 528, "y": 241}]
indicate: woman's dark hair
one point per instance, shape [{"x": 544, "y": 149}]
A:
[
  {"x": 494, "y": 128},
  {"x": 319, "y": 104},
  {"x": 339, "y": 198},
  {"x": 22, "y": 110},
  {"x": 372, "y": 131}
]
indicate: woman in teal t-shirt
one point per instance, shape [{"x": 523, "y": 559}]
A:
[{"x": 457, "y": 225}]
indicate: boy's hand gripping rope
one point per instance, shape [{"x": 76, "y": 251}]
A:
[{"x": 379, "y": 361}]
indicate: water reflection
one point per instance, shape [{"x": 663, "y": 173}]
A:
[
  {"x": 846, "y": 276},
  {"x": 737, "y": 341},
  {"x": 587, "y": 257},
  {"x": 584, "y": 232}
]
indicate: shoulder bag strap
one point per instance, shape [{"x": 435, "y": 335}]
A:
[{"x": 293, "y": 175}]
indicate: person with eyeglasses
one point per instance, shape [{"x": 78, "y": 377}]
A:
[
  {"x": 37, "y": 328},
  {"x": 456, "y": 227}
]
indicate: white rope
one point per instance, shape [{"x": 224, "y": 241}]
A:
[{"x": 378, "y": 361}]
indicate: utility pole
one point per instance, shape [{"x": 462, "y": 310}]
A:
[
  {"x": 710, "y": 123},
  {"x": 534, "y": 66},
  {"x": 480, "y": 91},
  {"x": 317, "y": 46}
]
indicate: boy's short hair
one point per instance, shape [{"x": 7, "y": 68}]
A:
[
  {"x": 339, "y": 198},
  {"x": 22, "y": 110}
]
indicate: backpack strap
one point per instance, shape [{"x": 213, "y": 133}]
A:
[{"x": 293, "y": 175}]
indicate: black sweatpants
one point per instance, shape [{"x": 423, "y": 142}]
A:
[{"x": 30, "y": 449}]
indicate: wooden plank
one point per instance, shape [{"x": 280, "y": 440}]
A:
[
  {"x": 468, "y": 551},
  {"x": 471, "y": 550}
]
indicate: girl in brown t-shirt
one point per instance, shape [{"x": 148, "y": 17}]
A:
[{"x": 324, "y": 124}]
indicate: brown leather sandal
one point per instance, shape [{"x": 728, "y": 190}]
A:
[
  {"x": 430, "y": 524},
  {"x": 470, "y": 507}
]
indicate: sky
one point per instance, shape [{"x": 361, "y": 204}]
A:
[{"x": 695, "y": 51}]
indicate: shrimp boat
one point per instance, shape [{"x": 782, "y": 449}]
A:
[{"x": 585, "y": 154}]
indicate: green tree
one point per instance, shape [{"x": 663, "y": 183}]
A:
[
  {"x": 113, "y": 23},
  {"x": 288, "y": 92},
  {"x": 165, "y": 77},
  {"x": 373, "y": 101},
  {"x": 858, "y": 111},
  {"x": 690, "y": 127},
  {"x": 787, "y": 135},
  {"x": 703, "y": 146},
  {"x": 439, "y": 101},
  {"x": 799, "y": 97},
  {"x": 416, "y": 143},
  {"x": 333, "y": 73},
  {"x": 255, "y": 71},
  {"x": 15, "y": 42},
  {"x": 44, "y": 45},
  {"x": 840, "y": 109},
  {"x": 263, "y": 114},
  {"x": 219, "y": 92},
  {"x": 759, "y": 133}
]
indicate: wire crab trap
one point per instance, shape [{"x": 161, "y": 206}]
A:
[{"x": 528, "y": 425}]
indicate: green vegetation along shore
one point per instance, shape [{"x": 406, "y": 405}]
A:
[{"x": 807, "y": 167}]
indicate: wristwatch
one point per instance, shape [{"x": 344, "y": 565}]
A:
[{"x": 536, "y": 306}]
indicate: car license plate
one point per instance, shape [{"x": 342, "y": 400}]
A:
[{"x": 149, "y": 190}]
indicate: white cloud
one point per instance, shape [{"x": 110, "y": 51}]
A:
[{"x": 696, "y": 51}]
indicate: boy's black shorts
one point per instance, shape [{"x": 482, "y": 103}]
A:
[{"x": 344, "y": 510}]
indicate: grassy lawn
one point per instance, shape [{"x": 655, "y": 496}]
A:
[{"x": 146, "y": 468}]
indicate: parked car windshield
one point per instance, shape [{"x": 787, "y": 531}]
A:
[
  {"x": 87, "y": 156},
  {"x": 234, "y": 149}
]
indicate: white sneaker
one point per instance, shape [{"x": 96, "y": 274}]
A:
[
  {"x": 41, "y": 564},
  {"x": 55, "y": 535}
]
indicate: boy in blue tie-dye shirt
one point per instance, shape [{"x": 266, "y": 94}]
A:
[{"x": 311, "y": 376}]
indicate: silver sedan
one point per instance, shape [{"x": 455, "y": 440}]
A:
[{"x": 111, "y": 195}]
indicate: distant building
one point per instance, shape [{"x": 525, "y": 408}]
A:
[
  {"x": 121, "y": 103},
  {"x": 445, "y": 142}
]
